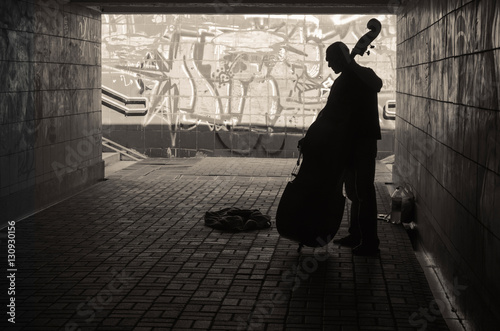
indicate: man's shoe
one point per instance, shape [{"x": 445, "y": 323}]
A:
[
  {"x": 365, "y": 250},
  {"x": 348, "y": 241}
]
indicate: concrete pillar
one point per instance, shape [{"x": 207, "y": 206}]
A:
[{"x": 50, "y": 90}]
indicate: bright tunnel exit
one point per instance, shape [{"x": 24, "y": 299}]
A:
[{"x": 230, "y": 85}]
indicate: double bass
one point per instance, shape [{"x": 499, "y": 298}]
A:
[{"x": 312, "y": 206}]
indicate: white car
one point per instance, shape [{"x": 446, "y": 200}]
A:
[{"x": 389, "y": 112}]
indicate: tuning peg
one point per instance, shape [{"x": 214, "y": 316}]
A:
[
  {"x": 367, "y": 52},
  {"x": 372, "y": 46}
]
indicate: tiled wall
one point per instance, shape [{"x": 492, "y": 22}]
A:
[
  {"x": 448, "y": 143},
  {"x": 231, "y": 84},
  {"x": 50, "y": 135}
]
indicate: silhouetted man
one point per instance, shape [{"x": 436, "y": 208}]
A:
[{"x": 353, "y": 104}]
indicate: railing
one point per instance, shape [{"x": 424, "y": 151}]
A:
[
  {"x": 124, "y": 151},
  {"x": 119, "y": 102}
]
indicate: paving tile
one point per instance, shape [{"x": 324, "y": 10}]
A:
[{"x": 133, "y": 252}]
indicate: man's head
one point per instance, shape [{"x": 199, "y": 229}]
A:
[{"x": 337, "y": 56}]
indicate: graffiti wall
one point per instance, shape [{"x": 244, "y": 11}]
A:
[{"x": 224, "y": 85}]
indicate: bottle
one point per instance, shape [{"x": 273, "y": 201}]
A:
[
  {"x": 407, "y": 206},
  {"x": 396, "y": 203}
]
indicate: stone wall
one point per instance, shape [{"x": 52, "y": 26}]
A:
[
  {"x": 50, "y": 97},
  {"x": 448, "y": 143}
]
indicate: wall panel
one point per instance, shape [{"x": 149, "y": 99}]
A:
[
  {"x": 256, "y": 82},
  {"x": 50, "y": 131},
  {"x": 448, "y": 62}
]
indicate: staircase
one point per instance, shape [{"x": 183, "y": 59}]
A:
[{"x": 117, "y": 157}]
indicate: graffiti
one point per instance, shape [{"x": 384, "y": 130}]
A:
[{"x": 237, "y": 76}]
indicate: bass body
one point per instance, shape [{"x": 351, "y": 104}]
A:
[{"x": 312, "y": 205}]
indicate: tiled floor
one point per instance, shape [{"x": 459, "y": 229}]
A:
[{"x": 133, "y": 253}]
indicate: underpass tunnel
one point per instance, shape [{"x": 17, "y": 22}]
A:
[{"x": 65, "y": 86}]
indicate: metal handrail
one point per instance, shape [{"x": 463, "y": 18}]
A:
[
  {"x": 123, "y": 150},
  {"x": 110, "y": 98}
]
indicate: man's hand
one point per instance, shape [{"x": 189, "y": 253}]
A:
[{"x": 300, "y": 143}]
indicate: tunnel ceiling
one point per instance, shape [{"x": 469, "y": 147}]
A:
[{"x": 245, "y": 6}]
